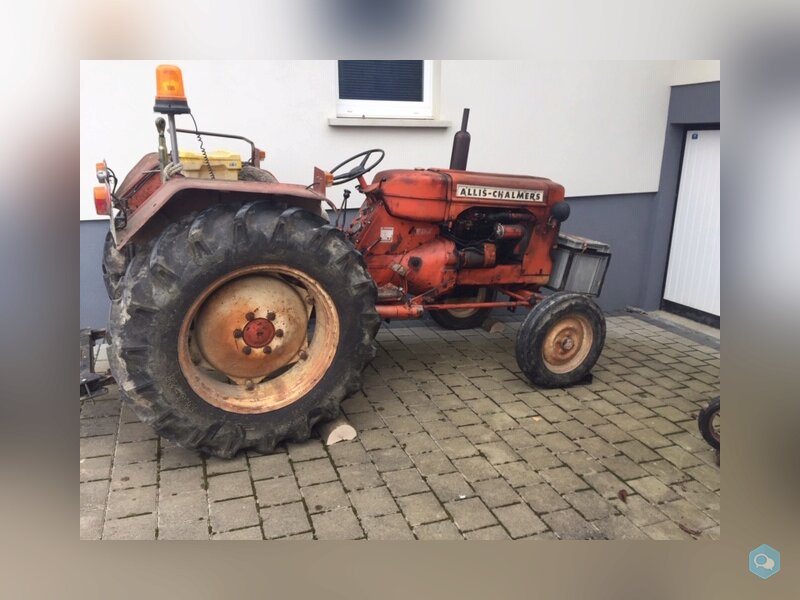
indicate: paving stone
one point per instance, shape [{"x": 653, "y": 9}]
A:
[
  {"x": 519, "y": 520},
  {"x": 500, "y": 422},
  {"x": 390, "y": 459},
  {"x": 358, "y": 477},
  {"x": 563, "y": 480},
  {"x": 569, "y": 525},
  {"x": 623, "y": 467},
  {"x": 519, "y": 474},
  {"x": 498, "y": 452},
  {"x": 443, "y": 530},
  {"x": 653, "y": 490},
  {"x": 496, "y": 492},
  {"x": 91, "y": 523},
  {"x": 651, "y": 438},
  {"x": 325, "y": 496},
  {"x": 387, "y": 527},
  {"x": 183, "y": 507},
  {"x": 314, "y": 471},
  {"x": 249, "y": 533},
  {"x": 597, "y": 447},
  {"x": 175, "y": 457},
  {"x": 373, "y": 502},
  {"x": 542, "y": 498},
  {"x": 607, "y": 484},
  {"x": 218, "y": 466},
  {"x": 269, "y": 466},
  {"x": 449, "y": 487},
  {"x": 637, "y": 451},
  {"x": 708, "y": 476},
  {"x": 229, "y": 485},
  {"x": 188, "y": 530},
  {"x": 281, "y": 490},
  {"x": 348, "y": 453},
  {"x": 176, "y": 481},
  {"x": 611, "y": 433},
  {"x": 284, "y": 520},
  {"x": 540, "y": 457},
  {"x": 581, "y": 463},
  {"x": 458, "y": 447},
  {"x": 626, "y": 422},
  {"x": 518, "y": 438},
  {"x": 95, "y": 468},
  {"x": 233, "y": 514},
  {"x": 678, "y": 457},
  {"x": 433, "y": 463},
  {"x": 136, "y": 501},
  {"x": 340, "y": 524},
  {"x": 475, "y": 468},
  {"x": 638, "y": 510},
  {"x": 470, "y": 514},
  {"x": 135, "y": 432},
  {"x": 421, "y": 508},
  {"x": 479, "y": 434},
  {"x": 142, "y": 527},
  {"x": 404, "y": 483},
  {"x": 665, "y": 471},
  {"x": 134, "y": 475},
  {"x": 574, "y": 430},
  {"x": 418, "y": 443},
  {"x": 495, "y": 532},
  {"x": 463, "y": 416},
  {"x": 401, "y": 425},
  {"x": 687, "y": 514},
  {"x": 101, "y": 445},
  {"x": 99, "y": 426},
  {"x": 590, "y": 504},
  {"x": 618, "y": 527},
  {"x": 93, "y": 495},
  {"x": 375, "y": 439},
  {"x": 666, "y": 530}
]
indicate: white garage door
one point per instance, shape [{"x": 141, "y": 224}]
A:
[{"x": 693, "y": 271}]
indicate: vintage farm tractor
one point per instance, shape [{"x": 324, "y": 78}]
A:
[{"x": 241, "y": 316}]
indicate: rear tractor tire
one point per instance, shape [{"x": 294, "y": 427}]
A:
[
  {"x": 464, "y": 318},
  {"x": 560, "y": 340},
  {"x": 242, "y": 327}
]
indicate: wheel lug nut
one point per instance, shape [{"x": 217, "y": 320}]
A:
[
  {"x": 303, "y": 355},
  {"x": 267, "y": 350},
  {"x": 310, "y": 299},
  {"x": 247, "y": 349},
  {"x": 249, "y": 385},
  {"x": 250, "y": 316},
  {"x": 271, "y": 316},
  {"x": 237, "y": 333},
  {"x": 279, "y": 333}
]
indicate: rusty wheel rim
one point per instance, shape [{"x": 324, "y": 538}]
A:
[
  {"x": 714, "y": 426},
  {"x": 567, "y": 343},
  {"x": 464, "y": 313},
  {"x": 258, "y": 339}
]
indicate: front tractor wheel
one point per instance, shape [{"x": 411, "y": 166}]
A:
[
  {"x": 243, "y": 327},
  {"x": 560, "y": 340}
]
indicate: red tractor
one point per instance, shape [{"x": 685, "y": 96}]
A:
[{"x": 241, "y": 317}]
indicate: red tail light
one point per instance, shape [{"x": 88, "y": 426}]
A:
[{"x": 102, "y": 206}]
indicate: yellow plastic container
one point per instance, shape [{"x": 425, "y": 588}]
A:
[{"x": 225, "y": 164}]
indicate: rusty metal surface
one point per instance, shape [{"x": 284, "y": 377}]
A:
[
  {"x": 179, "y": 184},
  {"x": 567, "y": 343},
  {"x": 247, "y": 387},
  {"x": 226, "y": 312}
]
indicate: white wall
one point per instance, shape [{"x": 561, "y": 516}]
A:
[
  {"x": 596, "y": 127},
  {"x": 695, "y": 71}
]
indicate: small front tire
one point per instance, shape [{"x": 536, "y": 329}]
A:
[{"x": 560, "y": 340}]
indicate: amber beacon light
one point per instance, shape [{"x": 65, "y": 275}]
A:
[{"x": 170, "y": 97}]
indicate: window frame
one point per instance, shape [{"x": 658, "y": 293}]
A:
[{"x": 391, "y": 109}]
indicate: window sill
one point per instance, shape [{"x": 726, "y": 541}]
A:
[{"x": 394, "y": 122}]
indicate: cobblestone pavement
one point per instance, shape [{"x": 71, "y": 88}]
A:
[{"x": 452, "y": 444}]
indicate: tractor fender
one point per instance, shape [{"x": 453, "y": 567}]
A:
[{"x": 182, "y": 195}]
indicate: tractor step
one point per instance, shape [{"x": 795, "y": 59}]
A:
[{"x": 92, "y": 384}]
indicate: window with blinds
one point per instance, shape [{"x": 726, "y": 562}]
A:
[{"x": 385, "y": 89}]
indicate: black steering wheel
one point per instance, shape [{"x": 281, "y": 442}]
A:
[{"x": 360, "y": 169}]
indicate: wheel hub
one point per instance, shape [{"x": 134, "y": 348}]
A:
[
  {"x": 258, "y": 332},
  {"x": 236, "y": 328},
  {"x": 567, "y": 343}
]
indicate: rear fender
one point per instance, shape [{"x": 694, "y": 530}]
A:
[{"x": 183, "y": 195}]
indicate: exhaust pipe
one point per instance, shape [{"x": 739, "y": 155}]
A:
[{"x": 458, "y": 159}]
